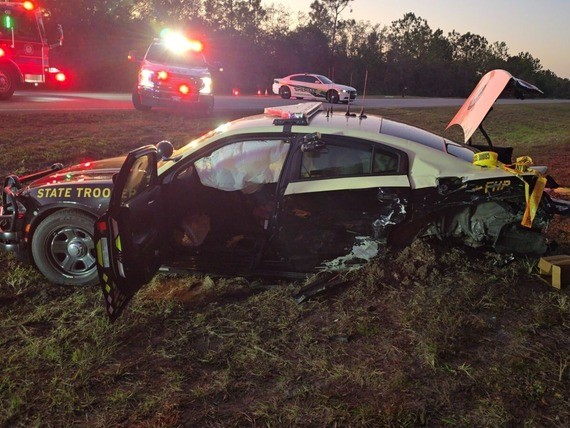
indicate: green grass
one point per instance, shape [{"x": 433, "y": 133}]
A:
[{"x": 433, "y": 335}]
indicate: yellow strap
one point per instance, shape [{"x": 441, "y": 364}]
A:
[
  {"x": 533, "y": 201},
  {"x": 522, "y": 164}
]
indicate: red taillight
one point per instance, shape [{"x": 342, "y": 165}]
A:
[
  {"x": 102, "y": 226},
  {"x": 2, "y": 53},
  {"x": 162, "y": 75},
  {"x": 184, "y": 89},
  {"x": 60, "y": 77},
  {"x": 235, "y": 91}
]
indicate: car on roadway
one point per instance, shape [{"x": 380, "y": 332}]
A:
[
  {"x": 313, "y": 86},
  {"x": 289, "y": 192},
  {"x": 173, "y": 73}
]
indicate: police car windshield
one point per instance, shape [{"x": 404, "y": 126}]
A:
[
  {"x": 325, "y": 79},
  {"x": 161, "y": 54}
]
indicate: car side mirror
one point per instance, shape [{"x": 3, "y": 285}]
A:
[
  {"x": 216, "y": 66},
  {"x": 59, "y": 37}
]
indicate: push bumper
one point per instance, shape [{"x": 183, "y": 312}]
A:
[
  {"x": 168, "y": 99},
  {"x": 11, "y": 239}
]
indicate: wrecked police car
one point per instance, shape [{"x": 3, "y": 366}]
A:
[{"x": 286, "y": 193}]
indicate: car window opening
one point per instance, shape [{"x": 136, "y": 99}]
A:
[{"x": 239, "y": 178}]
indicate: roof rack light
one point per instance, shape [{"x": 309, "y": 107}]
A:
[{"x": 298, "y": 114}]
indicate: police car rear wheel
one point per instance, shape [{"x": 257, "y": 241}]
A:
[
  {"x": 63, "y": 248},
  {"x": 285, "y": 92},
  {"x": 7, "y": 83}
]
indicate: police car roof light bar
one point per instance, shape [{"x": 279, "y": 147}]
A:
[{"x": 298, "y": 114}]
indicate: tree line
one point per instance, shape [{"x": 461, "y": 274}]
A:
[{"x": 256, "y": 43}]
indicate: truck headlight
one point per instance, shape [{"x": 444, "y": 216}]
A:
[{"x": 206, "y": 85}]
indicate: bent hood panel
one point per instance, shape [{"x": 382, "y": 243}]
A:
[
  {"x": 478, "y": 104},
  {"x": 83, "y": 172}
]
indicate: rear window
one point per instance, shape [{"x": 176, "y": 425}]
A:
[{"x": 427, "y": 138}]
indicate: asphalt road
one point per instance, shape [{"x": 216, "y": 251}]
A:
[{"x": 35, "y": 100}]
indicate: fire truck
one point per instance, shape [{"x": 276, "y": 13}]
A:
[{"x": 24, "y": 48}]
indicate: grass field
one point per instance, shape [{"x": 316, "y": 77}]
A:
[{"x": 433, "y": 335}]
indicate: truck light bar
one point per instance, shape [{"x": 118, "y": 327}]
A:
[{"x": 298, "y": 114}]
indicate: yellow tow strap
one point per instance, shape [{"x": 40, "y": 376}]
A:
[{"x": 523, "y": 164}]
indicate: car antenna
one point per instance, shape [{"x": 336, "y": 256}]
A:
[
  {"x": 348, "y": 113},
  {"x": 362, "y": 115}
]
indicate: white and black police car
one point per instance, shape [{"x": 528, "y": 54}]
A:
[{"x": 287, "y": 192}]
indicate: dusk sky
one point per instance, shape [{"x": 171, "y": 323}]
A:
[{"x": 540, "y": 27}]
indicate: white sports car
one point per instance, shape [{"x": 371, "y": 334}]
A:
[{"x": 306, "y": 85}]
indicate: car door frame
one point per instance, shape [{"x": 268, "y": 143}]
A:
[
  {"x": 128, "y": 236},
  {"x": 396, "y": 189}
]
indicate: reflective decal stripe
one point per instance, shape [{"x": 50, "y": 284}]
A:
[
  {"x": 103, "y": 253},
  {"x": 347, "y": 183}
]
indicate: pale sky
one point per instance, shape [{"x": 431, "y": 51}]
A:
[{"x": 540, "y": 27}]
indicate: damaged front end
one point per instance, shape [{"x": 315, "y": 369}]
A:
[{"x": 508, "y": 216}]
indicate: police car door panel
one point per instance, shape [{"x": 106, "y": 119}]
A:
[
  {"x": 128, "y": 236},
  {"x": 323, "y": 210}
]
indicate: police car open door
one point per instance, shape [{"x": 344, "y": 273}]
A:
[{"x": 127, "y": 236}]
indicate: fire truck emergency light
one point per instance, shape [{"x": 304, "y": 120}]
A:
[
  {"x": 28, "y": 5},
  {"x": 7, "y": 22}
]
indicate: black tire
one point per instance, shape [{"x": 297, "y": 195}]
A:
[
  {"x": 7, "y": 83},
  {"x": 137, "y": 102},
  {"x": 63, "y": 248},
  {"x": 207, "y": 107},
  {"x": 299, "y": 98},
  {"x": 285, "y": 92},
  {"x": 332, "y": 96}
]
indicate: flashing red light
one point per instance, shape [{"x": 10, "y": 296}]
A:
[
  {"x": 196, "y": 45},
  {"x": 28, "y": 5},
  {"x": 2, "y": 53},
  {"x": 60, "y": 77},
  {"x": 259, "y": 92},
  {"x": 184, "y": 89},
  {"x": 235, "y": 92},
  {"x": 162, "y": 75}
]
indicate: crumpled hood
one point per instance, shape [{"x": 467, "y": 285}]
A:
[
  {"x": 101, "y": 170},
  {"x": 489, "y": 88}
]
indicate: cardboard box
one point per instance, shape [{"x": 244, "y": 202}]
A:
[{"x": 555, "y": 270}]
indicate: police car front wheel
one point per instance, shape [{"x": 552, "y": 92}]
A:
[
  {"x": 332, "y": 96},
  {"x": 63, "y": 248}
]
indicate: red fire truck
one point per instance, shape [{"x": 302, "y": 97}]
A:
[{"x": 24, "y": 48}]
